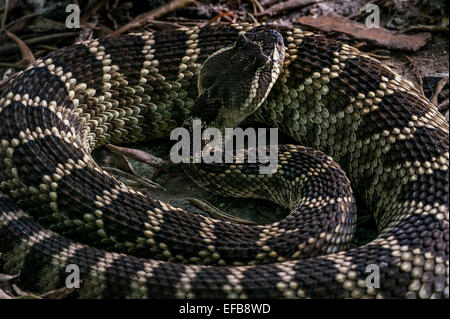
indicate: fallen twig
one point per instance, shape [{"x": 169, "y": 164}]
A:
[
  {"x": 12, "y": 65},
  {"x": 377, "y": 56},
  {"x": 416, "y": 72},
  {"x": 16, "y": 25},
  {"x": 429, "y": 28},
  {"x": 257, "y": 7},
  {"x": 12, "y": 47},
  {"x": 226, "y": 15},
  {"x": 24, "y": 18},
  {"x": 439, "y": 86},
  {"x": 268, "y": 2},
  {"x": 5, "y": 14},
  {"x": 362, "y": 10},
  {"x": 12, "y": 5},
  {"x": 92, "y": 11},
  {"x": 142, "y": 19},
  {"x": 25, "y": 52},
  {"x": 443, "y": 106},
  {"x": 288, "y": 5}
]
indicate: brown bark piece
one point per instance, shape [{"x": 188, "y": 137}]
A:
[{"x": 380, "y": 36}]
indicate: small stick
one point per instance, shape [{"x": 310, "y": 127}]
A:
[
  {"x": 12, "y": 47},
  {"x": 93, "y": 11},
  {"x": 416, "y": 72},
  {"x": 226, "y": 15},
  {"x": 257, "y": 7},
  {"x": 288, "y": 5},
  {"x": 25, "y": 52},
  {"x": 443, "y": 106},
  {"x": 430, "y": 28},
  {"x": 361, "y": 11},
  {"x": 439, "y": 86},
  {"x": 142, "y": 19},
  {"x": 47, "y": 47},
  {"x": 21, "y": 19},
  {"x": 12, "y": 65},
  {"x": 5, "y": 14},
  {"x": 16, "y": 25},
  {"x": 360, "y": 44},
  {"x": 377, "y": 56}
]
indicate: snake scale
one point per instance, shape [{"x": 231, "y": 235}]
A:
[{"x": 59, "y": 207}]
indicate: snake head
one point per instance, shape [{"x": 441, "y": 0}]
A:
[{"x": 234, "y": 81}]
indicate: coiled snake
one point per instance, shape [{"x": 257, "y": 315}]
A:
[{"x": 390, "y": 140}]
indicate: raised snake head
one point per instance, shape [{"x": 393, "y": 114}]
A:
[{"x": 235, "y": 81}]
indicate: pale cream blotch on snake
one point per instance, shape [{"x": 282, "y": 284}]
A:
[{"x": 388, "y": 138}]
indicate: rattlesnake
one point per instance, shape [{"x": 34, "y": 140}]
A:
[{"x": 390, "y": 140}]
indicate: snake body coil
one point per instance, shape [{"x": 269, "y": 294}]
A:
[{"x": 388, "y": 138}]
